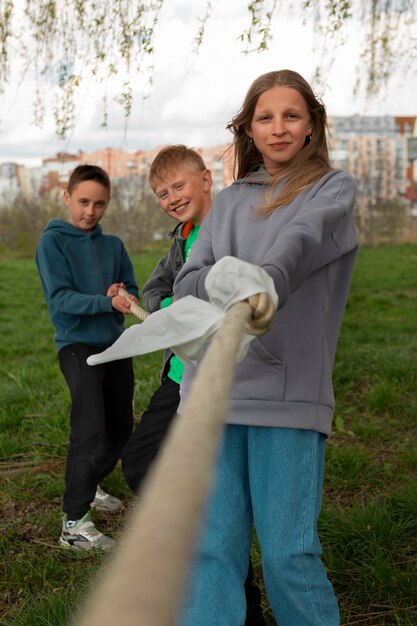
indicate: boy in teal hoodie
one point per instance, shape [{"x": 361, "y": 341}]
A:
[{"x": 81, "y": 269}]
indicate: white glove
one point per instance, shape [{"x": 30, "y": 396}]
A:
[
  {"x": 232, "y": 280},
  {"x": 263, "y": 314}
]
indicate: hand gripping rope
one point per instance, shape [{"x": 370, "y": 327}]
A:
[
  {"x": 144, "y": 579},
  {"x": 135, "y": 308}
]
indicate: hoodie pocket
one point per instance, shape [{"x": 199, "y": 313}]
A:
[{"x": 260, "y": 375}]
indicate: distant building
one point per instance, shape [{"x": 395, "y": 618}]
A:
[
  {"x": 380, "y": 152},
  {"x": 375, "y": 151},
  {"x": 219, "y": 160},
  {"x": 117, "y": 162},
  {"x": 363, "y": 125},
  {"x": 10, "y": 182},
  {"x": 408, "y": 126},
  {"x": 55, "y": 171}
]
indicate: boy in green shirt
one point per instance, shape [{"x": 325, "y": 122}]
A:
[{"x": 182, "y": 185}]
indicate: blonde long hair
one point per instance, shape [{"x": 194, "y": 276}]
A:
[{"x": 307, "y": 167}]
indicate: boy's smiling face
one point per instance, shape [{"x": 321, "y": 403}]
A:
[
  {"x": 86, "y": 204},
  {"x": 184, "y": 194}
]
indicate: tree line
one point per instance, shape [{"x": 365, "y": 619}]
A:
[{"x": 135, "y": 216}]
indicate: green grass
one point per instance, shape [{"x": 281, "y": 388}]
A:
[{"x": 368, "y": 525}]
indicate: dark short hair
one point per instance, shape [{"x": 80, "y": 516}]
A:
[{"x": 83, "y": 173}]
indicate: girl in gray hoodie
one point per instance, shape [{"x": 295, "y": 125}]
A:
[{"x": 290, "y": 213}]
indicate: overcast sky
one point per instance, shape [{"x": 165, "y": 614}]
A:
[{"x": 194, "y": 96}]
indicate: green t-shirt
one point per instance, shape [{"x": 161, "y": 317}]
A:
[{"x": 176, "y": 367}]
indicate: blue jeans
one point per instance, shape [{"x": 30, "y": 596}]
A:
[{"x": 271, "y": 477}]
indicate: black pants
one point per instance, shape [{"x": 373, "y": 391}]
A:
[
  {"x": 101, "y": 421},
  {"x": 142, "y": 448}
]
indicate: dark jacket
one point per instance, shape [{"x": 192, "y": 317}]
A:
[{"x": 160, "y": 284}]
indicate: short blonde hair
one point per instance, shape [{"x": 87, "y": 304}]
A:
[{"x": 171, "y": 158}]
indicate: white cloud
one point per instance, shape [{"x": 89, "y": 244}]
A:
[{"x": 194, "y": 96}]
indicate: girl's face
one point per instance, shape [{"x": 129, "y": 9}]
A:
[{"x": 279, "y": 126}]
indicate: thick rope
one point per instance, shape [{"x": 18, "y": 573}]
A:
[
  {"x": 143, "y": 583},
  {"x": 134, "y": 308}
]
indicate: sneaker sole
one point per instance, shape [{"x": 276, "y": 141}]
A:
[
  {"x": 103, "y": 507},
  {"x": 87, "y": 548},
  {"x": 68, "y": 546}
]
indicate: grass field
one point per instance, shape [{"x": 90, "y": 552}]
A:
[{"x": 368, "y": 524}]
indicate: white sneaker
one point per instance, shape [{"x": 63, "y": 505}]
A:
[
  {"x": 83, "y": 535},
  {"x": 105, "y": 502}
]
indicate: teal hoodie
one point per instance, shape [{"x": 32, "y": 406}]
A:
[{"x": 76, "y": 269}]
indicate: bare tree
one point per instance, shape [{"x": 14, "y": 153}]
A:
[
  {"x": 22, "y": 222},
  {"x": 385, "y": 222},
  {"x": 134, "y": 214}
]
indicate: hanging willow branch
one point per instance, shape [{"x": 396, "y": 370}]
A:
[
  {"x": 391, "y": 40},
  {"x": 64, "y": 44},
  {"x": 259, "y": 33},
  {"x": 68, "y": 42}
]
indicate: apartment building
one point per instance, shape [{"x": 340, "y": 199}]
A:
[
  {"x": 9, "y": 182},
  {"x": 15, "y": 180},
  {"x": 380, "y": 152},
  {"x": 219, "y": 160},
  {"x": 117, "y": 162},
  {"x": 375, "y": 150},
  {"x": 121, "y": 165}
]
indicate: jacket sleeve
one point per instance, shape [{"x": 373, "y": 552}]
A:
[
  {"x": 57, "y": 283},
  {"x": 322, "y": 231},
  {"x": 160, "y": 283}
]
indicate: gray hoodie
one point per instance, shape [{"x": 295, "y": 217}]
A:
[{"x": 309, "y": 248}]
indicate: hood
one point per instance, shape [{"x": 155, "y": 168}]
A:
[
  {"x": 61, "y": 226},
  {"x": 260, "y": 177},
  {"x": 178, "y": 229}
]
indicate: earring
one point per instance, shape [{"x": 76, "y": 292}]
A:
[{"x": 309, "y": 137}]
